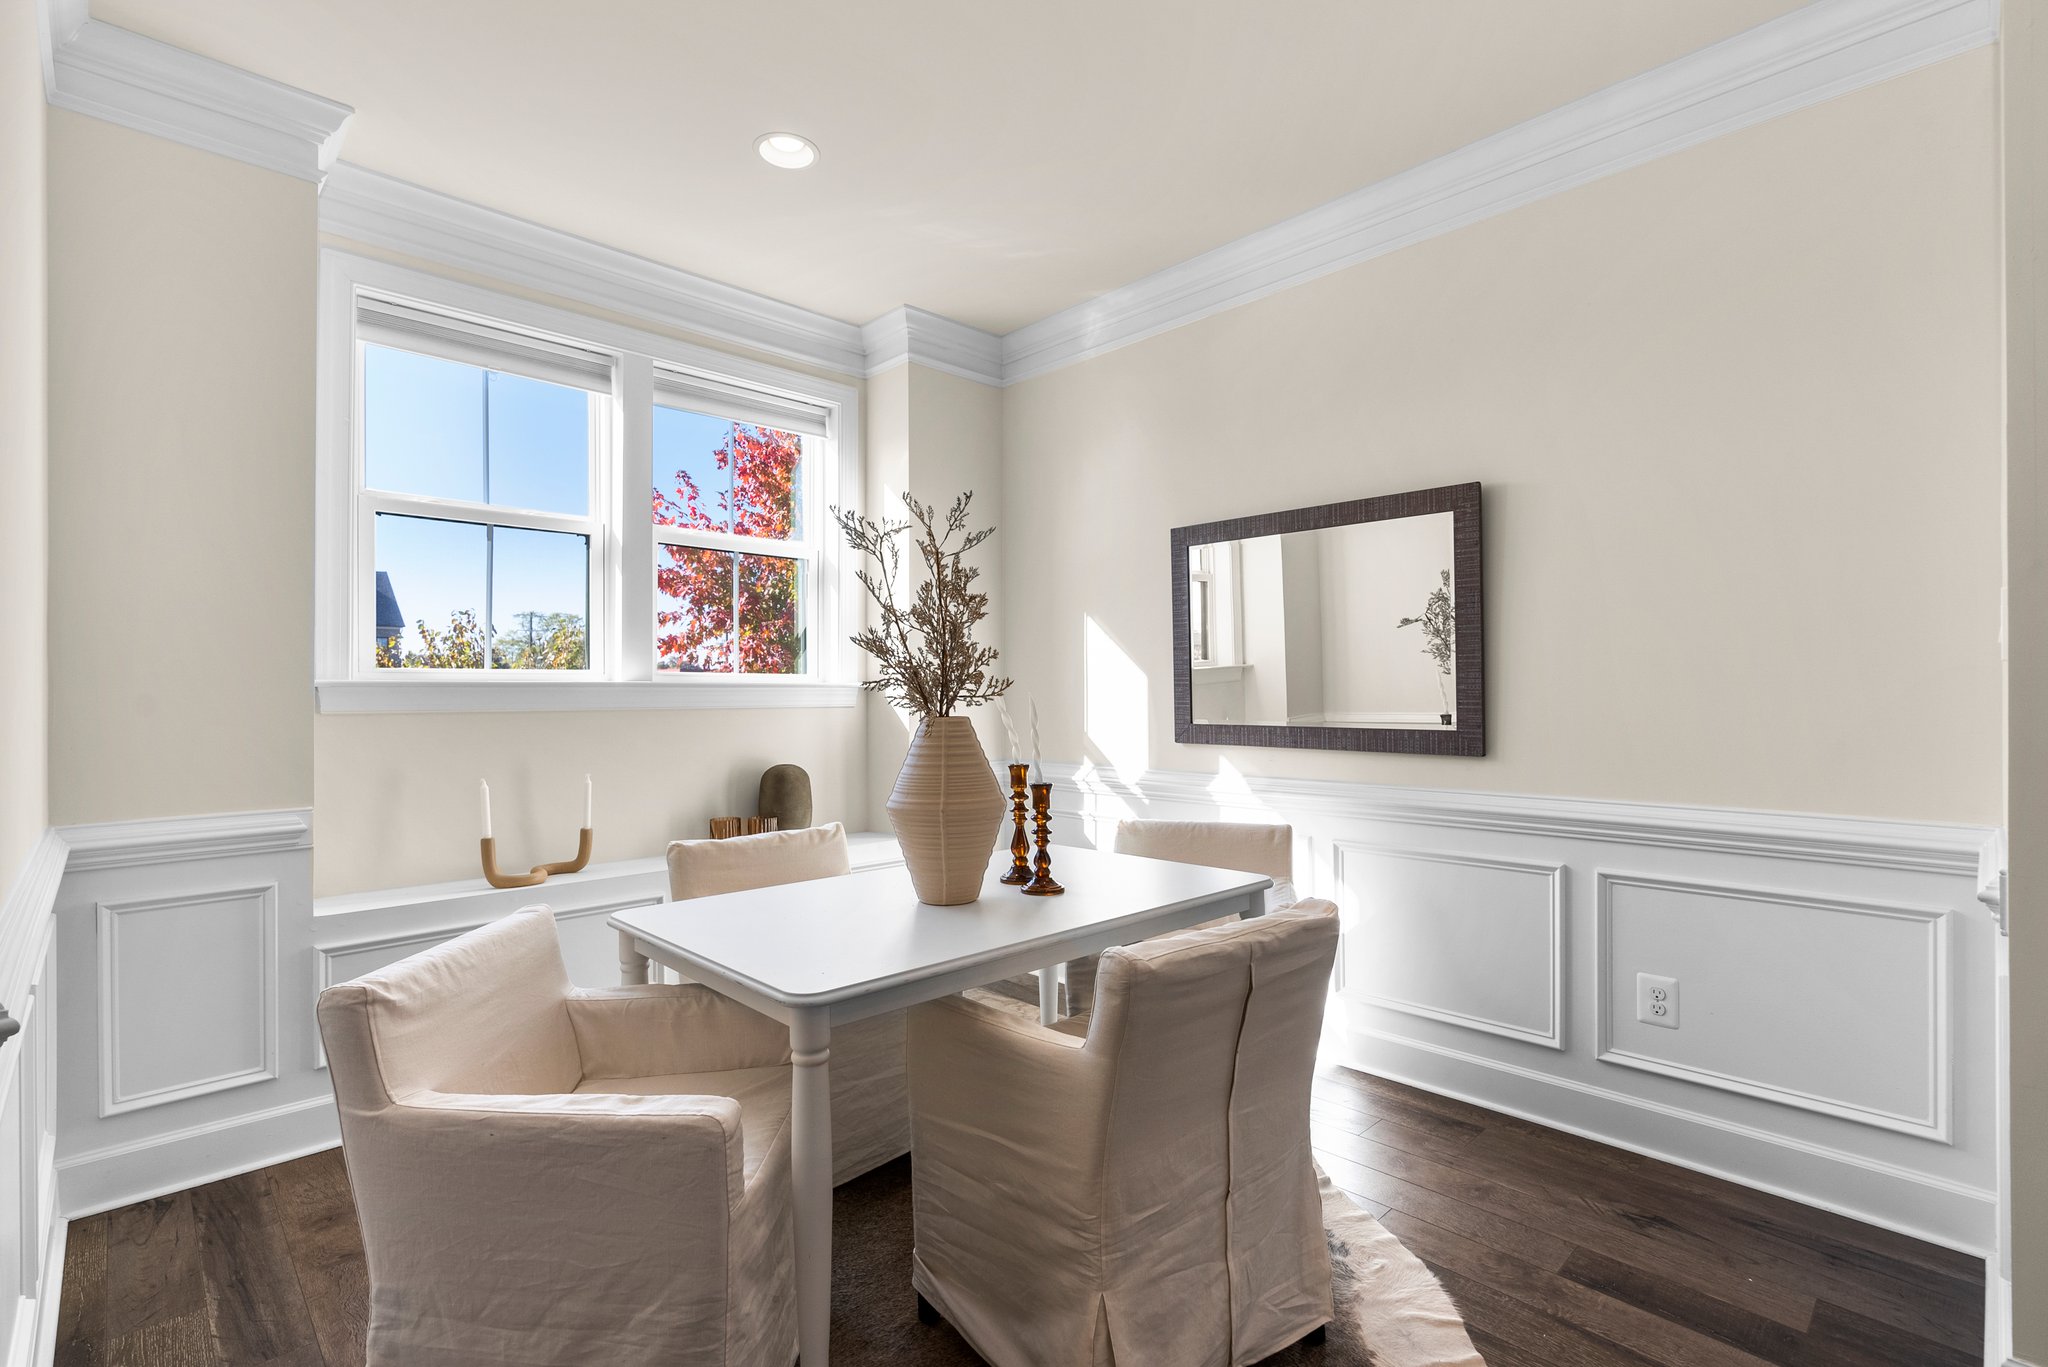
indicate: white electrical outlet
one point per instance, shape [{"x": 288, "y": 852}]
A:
[{"x": 1657, "y": 1000}]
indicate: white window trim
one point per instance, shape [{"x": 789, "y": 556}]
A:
[{"x": 340, "y": 681}]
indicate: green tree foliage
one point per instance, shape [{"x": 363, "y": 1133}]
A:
[{"x": 542, "y": 640}]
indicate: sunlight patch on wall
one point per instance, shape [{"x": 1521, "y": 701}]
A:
[{"x": 1118, "y": 705}]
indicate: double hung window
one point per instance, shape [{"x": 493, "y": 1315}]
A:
[{"x": 525, "y": 508}]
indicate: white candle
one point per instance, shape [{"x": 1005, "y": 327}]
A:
[
  {"x": 586, "y": 802},
  {"x": 486, "y": 790},
  {"x": 1037, "y": 774},
  {"x": 1009, "y": 729}
]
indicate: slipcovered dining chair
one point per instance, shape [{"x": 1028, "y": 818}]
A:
[
  {"x": 1214, "y": 844},
  {"x": 1143, "y": 1197},
  {"x": 870, "y": 1092},
  {"x": 545, "y": 1174}
]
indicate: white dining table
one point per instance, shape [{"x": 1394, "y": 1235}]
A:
[{"x": 832, "y": 951}]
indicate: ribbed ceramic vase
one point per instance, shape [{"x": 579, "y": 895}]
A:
[{"x": 947, "y": 810}]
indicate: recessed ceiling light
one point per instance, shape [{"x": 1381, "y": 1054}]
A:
[{"x": 786, "y": 150}]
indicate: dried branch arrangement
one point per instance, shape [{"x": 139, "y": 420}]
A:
[
  {"x": 928, "y": 661},
  {"x": 1439, "y": 623}
]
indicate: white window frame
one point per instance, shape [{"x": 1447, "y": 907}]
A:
[{"x": 624, "y": 537}]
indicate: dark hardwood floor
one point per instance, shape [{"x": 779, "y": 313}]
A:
[{"x": 1559, "y": 1251}]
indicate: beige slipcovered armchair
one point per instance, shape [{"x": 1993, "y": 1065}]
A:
[
  {"x": 870, "y": 1089},
  {"x": 1218, "y": 845},
  {"x": 1144, "y": 1197},
  {"x": 1243, "y": 847},
  {"x": 549, "y": 1175}
]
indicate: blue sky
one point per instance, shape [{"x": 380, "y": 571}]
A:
[{"x": 425, "y": 426}]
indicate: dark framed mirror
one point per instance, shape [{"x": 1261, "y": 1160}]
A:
[{"x": 1350, "y": 626}]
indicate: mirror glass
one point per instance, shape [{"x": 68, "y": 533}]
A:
[{"x": 1339, "y": 626}]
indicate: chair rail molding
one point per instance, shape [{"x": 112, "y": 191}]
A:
[
  {"x": 1836, "y": 1041},
  {"x": 1812, "y": 54},
  {"x": 114, "y": 74},
  {"x": 122, "y": 844},
  {"x": 381, "y": 211},
  {"x": 1922, "y": 846}
]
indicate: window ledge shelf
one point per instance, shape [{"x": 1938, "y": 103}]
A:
[{"x": 574, "y": 695}]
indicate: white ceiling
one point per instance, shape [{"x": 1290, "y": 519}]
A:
[{"x": 992, "y": 163}]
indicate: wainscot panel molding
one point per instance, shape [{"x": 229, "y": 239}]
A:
[
  {"x": 1837, "y": 975},
  {"x": 1901, "y": 957},
  {"x": 183, "y": 961},
  {"x": 913, "y": 334},
  {"x": 364, "y": 206},
  {"x": 146, "y": 1061},
  {"x": 111, "y": 73},
  {"x": 31, "y": 1231},
  {"x": 1472, "y": 941},
  {"x": 1812, "y": 54}
]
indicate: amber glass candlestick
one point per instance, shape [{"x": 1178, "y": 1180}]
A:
[
  {"x": 1020, "y": 843},
  {"x": 1042, "y": 884}
]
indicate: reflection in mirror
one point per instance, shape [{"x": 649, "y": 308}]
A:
[{"x": 1350, "y": 626}]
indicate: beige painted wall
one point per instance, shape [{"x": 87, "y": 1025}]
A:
[
  {"x": 181, "y": 478},
  {"x": 24, "y": 451},
  {"x": 1737, "y": 412},
  {"x": 181, "y": 522},
  {"x": 2024, "y": 88},
  {"x": 937, "y": 435}
]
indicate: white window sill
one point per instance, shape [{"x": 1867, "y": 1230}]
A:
[
  {"x": 1219, "y": 673},
  {"x": 575, "y": 695}
]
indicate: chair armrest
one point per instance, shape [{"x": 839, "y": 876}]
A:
[
  {"x": 670, "y": 1028},
  {"x": 1319, "y": 905},
  {"x": 1008, "y": 1127},
  {"x": 519, "y": 1144}
]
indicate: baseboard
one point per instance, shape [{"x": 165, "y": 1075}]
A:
[
  {"x": 122, "y": 1174},
  {"x": 42, "y": 1339},
  {"x": 1951, "y": 1214}
]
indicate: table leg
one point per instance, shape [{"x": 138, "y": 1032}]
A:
[
  {"x": 1049, "y": 995},
  {"x": 810, "y": 1040},
  {"x": 632, "y": 963}
]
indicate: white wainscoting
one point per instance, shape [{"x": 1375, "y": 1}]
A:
[
  {"x": 1473, "y": 941},
  {"x": 192, "y": 953},
  {"x": 183, "y": 957},
  {"x": 31, "y": 1232},
  {"x": 1836, "y": 1041}
]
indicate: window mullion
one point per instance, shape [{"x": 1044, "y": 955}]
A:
[{"x": 633, "y": 524}]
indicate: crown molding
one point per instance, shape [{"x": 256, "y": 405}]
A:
[
  {"x": 1813, "y": 54},
  {"x": 1827, "y": 49},
  {"x": 914, "y": 334},
  {"x": 57, "y": 23},
  {"x": 380, "y": 211},
  {"x": 111, "y": 73}
]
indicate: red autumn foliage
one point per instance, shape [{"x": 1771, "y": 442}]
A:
[{"x": 699, "y": 588}]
